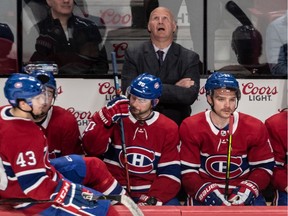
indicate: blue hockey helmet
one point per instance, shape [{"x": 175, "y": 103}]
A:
[
  {"x": 46, "y": 78},
  {"x": 22, "y": 86},
  {"x": 146, "y": 86},
  {"x": 219, "y": 80}
]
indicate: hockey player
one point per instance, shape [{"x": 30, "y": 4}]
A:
[
  {"x": 277, "y": 129},
  {"x": 151, "y": 143},
  {"x": 64, "y": 140},
  {"x": 213, "y": 175},
  {"x": 25, "y": 168}
]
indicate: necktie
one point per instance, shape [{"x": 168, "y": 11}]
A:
[{"x": 160, "y": 56}]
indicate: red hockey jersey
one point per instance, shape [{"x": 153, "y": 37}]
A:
[
  {"x": 277, "y": 129},
  {"x": 203, "y": 152},
  {"x": 153, "y": 158},
  {"x": 62, "y": 132},
  {"x": 25, "y": 170}
]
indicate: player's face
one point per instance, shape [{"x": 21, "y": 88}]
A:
[
  {"x": 140, "y": 108},
  {"x": 61, "y": 7},
  {"x": 224, "y": 101},
  {"x": 50, "y": 99},
  {"x": 161, "y": 24},
  {"x": 39, "y": 102}
]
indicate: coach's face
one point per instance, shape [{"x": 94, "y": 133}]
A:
[{"x": 161, "y": 24}]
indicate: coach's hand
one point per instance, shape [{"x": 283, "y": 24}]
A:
[{"x": 114, "y": 110}]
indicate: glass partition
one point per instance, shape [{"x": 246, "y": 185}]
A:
[
  {"x": 246, "y": 43},
  {"x": 8, "y": 37},
  {"x": 255, "y": 47}
]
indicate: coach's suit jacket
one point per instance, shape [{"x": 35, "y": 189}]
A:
[{"x": 179, "y": 63}]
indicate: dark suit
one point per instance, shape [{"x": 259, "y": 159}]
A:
[{"x": 179, "y": 63}]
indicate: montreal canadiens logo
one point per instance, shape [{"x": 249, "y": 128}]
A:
[
  {"x": 18, "y": 85},
  {"x": 140, "y": 160},
  {"x": 156, "y": 85},
  {"x": 216, "y": 166}
]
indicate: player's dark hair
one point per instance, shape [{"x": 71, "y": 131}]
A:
[{"x": 247, "y": 44}]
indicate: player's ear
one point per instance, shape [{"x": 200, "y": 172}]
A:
[
  {"x": 209, "y": 100},
  {"x": 174, "y": 27},
  {"x": 48, "y": 3},
  {"x": 154, "y": 102},
  {"x": 23, "y": 105}
]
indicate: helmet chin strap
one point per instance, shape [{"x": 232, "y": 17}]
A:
[
  {"x": 211, "y": 104},
  {"x": 212, "y": 108},
  {"x": 41, "y": 117},
  {"x": 149, "y": 116},
  {"x": 35, "y": 117},
  {"x": 38, "y": 117}
]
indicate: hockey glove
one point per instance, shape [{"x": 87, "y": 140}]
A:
[
  {"x": 114, "y": 110},
  {"x": 244, "y": 194},
  {"x": 210, "y": 195},
  {"x": 146, "y": 200},
  {"x": 70, "y": 194}
]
